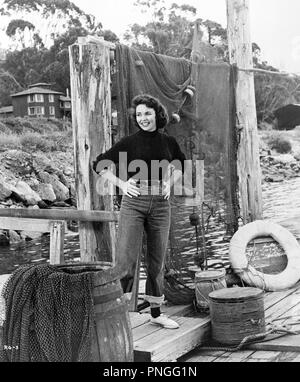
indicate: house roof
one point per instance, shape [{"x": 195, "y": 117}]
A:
[
  {"x": 39, "y": 84},
  {"x": 35, "y": 91},
  {"x": 6, "y": 109},
  {"x": 64, "y": 98}
]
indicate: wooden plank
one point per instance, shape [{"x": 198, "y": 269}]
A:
[
  {"x": 272, "y": 298},
  {"x": 167, "y": 345},
  {"x": 288, "y": 343},
  {"x": 61, "y": 214},
  {"x": 91, "y": 119},
  {"x": 248, "y": 164},
  {"x": 138, "y": 319},
  {"x": 57, "y": 233},
  {"x": 17, "y": 224}
]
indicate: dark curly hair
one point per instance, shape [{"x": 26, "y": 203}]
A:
[{"x": 161, "y": 113}]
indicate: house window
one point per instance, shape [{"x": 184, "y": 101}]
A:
[
  {"x": 31, "y": 111},
  {"x": 51, "y": 97},
  {"x": 30, "y": 98},
  {"x": 40, "y": 110},
  {"x": 51, "y": 110},
  {"x": 39, "y": 98},
  {"x": 67, "y": 105}
]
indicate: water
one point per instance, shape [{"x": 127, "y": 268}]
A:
[{"x": 280, "y": 201}]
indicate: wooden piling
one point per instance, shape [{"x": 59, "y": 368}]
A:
[
  {"x": 91, "y": 120},
  {"x": 240, "y": 51}
]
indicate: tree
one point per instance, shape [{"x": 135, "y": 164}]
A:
[
  {"x": 8, "y": 85},
  {"x": 171, "y": 30},
  {"x": 273, "y": 91},
  {"x": 16, "y": 29}
]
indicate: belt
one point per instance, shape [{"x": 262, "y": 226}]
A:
[{"x": 148, "y": 183}]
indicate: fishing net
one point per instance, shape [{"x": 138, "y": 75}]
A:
[
  {"x": 200, "y": 229},
  {"x": 48, "y": 315}
]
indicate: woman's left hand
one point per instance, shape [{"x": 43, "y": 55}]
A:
[{"x": 166, "y": 190}]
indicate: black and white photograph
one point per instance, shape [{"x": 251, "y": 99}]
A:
[{"x": 149, "y": 184}]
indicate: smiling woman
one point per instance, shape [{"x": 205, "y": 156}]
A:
[{"x": 145, "y": 204}]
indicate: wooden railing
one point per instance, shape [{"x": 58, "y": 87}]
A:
[{"x": 52, "y": 221}]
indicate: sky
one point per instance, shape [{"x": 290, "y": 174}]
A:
[{"x": 274, "y": 24}]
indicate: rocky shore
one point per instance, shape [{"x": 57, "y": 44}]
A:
[{"x": 35, "y": 180}]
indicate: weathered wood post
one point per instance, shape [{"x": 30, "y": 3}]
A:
[
  {"x": 240, "y": 51},
  {"x": 91, "y": 121},
  {"x": 197, "y": 57}
]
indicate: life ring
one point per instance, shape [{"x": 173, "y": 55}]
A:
[{"x": 237, "y": 256}]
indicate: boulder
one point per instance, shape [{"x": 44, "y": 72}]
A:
[
  {"x": 30, "y": 235},
  {"x": 42, "y": 164},
  {"x": 46, "y": 192},
  {"x": 5, "y": 190},
  {"x": 14, "y": 237},
  {"x": 60, "y": 190},
  {"x": 26, "y": 193}
]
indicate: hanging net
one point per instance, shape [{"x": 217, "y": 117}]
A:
[{"x": 205, "y": 132}]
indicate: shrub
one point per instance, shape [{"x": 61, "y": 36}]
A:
[
  {"x": 9, "y": 141},
  {"x": 35, "y": 141},
  {"x": 279, "y": 143}
]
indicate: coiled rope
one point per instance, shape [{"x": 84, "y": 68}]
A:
[{"x": 281, "y": 330}]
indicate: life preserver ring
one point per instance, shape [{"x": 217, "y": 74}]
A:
[{"x": 237, "y": 256}]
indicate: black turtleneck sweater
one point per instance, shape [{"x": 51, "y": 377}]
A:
[{"x": 147, "y": 147}]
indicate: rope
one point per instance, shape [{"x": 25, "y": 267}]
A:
[{"x": 283, "y": 330}]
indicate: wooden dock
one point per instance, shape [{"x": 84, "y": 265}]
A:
[
  {"x": 278, "y": 305},
  {"x": 186, "y": 344}
]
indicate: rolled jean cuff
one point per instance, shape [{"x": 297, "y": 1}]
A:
[{"x": 154, "y": 299}]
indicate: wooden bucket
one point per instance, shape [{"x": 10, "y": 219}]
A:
[
  {"x": 111, "y": 339},
  {"x": 207, "y": 282},
  {"x": 236, "y": 313}
]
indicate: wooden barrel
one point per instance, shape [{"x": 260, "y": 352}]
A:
[
  {"x": 206, "y": 282},
  {"x": 111, "y": 339},
  {"x": 236, "y": 313}
]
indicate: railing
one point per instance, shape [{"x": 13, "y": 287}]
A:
[{"x": 53, "y": 221}]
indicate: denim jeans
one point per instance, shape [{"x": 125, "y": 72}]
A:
[{"x": 150, "y": 214}]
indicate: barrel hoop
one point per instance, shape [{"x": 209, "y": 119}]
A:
[
  {"x": 239, "y": 262},
  {"x": 111, "y": 312},
  {"x": 107, "y": 297}
]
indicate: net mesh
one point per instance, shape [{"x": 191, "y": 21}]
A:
[{"x": 48, "y": 315}]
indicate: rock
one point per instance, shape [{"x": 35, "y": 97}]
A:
[
  {"x": 284, "y": 158},
  {"x": 25, "y": 192},
  {"x": 19, "y": 162},
  {"x": 60, "y": 190},
  {"x": 5, "y": 190},
  {"x": 46, "y": 192},
  {"x": 42, "y": 164},
  {"x": 68, "y": 171},
  {"x": 4, "y": 240},
  {"x": 61, "y": 204},
  {"x": 14, "y": 237},
  {"x": 43, "y": 205},
  {"x": 30, "y": 235}
]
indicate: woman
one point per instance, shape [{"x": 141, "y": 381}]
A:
[{"x": 155, "y": 164}]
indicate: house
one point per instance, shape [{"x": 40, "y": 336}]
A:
[
  {"x": 287, "y": 117},
  {"x": 6, "y": 111},
  {"x": 41, "y": 101}
]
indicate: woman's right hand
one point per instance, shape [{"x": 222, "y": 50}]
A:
[{"x": 129, "y": 188}]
